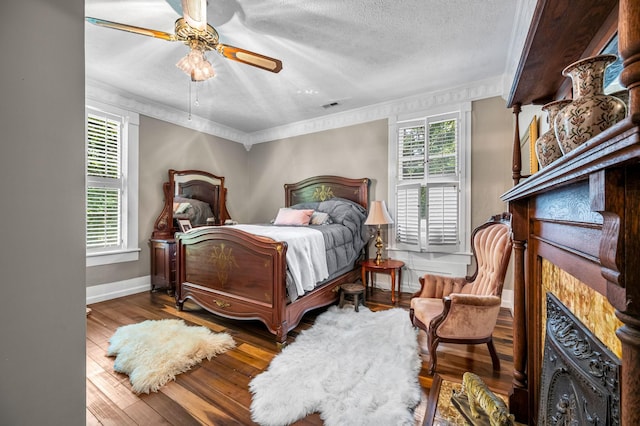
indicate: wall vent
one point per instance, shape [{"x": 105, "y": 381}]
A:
[{"x": 329, "y": 105}]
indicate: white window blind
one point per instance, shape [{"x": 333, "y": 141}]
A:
[
  {"x": 442, "y": 214},
  {"x": 408, "y": 214},
  {"x": 428, "y": 184},
  {"x": 411, "y": 152},
  {"x": 104, "y": 181}
]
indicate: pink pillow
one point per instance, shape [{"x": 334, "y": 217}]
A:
[{"x": 293, "y": 217}]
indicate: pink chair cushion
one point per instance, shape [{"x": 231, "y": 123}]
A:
[
  {"x": 470, "y": 317},
  {"x": 426, "y": 309}
]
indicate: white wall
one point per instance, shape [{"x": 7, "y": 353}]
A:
[{"x": 42, "y": 320}]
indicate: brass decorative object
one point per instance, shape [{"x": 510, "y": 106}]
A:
[
  {"x": 378, "y": 216},
  {"x": 222, "y": 303},
  {"x": 323, "y": 193},
  {"x": 223, "y": 260},
  {"x": 478, "y": 405},
  {"x": 379, "y": 245}
]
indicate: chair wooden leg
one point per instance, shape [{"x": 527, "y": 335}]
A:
[
  {"x": 433, "y": 357},
  {"x": 494, "y": 355}
]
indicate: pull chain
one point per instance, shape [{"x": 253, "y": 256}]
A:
[{"x": 190, "y": 82}]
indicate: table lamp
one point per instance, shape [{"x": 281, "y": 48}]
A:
[{"x": 378, "y": 215}]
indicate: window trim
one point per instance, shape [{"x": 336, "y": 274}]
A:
[
  {"x": 464, "y": 111},
  {"x": 130, "y": 155}
]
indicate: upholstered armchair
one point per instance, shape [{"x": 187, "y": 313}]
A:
[{"x": 465, "y": 309}]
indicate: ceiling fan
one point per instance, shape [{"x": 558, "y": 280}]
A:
[{"x": 192, "y": 29}]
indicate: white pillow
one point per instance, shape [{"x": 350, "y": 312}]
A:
[{"x": 320, "y": 218}]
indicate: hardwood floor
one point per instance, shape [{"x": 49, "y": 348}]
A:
[{"x": 216, "y": 392}]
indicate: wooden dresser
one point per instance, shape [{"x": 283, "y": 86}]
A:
[
  {"x": 191, "y": 184},
  {"x": 582, "y": 212}
]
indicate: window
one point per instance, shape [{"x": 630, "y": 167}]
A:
[
  {"x": 431, "y": 200},
  {"x": 111, "y": 185}
]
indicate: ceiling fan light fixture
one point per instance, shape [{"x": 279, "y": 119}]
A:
[
  {"x": 196, "y": 65},
  {"x": 203, "y": 73}
]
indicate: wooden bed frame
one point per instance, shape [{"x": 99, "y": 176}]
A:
[{"x": 243, "y": 276}]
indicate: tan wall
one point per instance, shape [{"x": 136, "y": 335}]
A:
[
  {"x": 362, "y": 151},
  {"x": 165, "y": 146},
  {"x": 491, "y": 145},
  {"x": 255, "y": 179},
  {"x": 357, "y": 151}
]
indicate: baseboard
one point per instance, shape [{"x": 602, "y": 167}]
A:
[
  {"x": 102, "y": 292},
  {"x": 507, "y": 299}
]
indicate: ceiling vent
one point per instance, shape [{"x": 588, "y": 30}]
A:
[{"x": 330, "y": 105}]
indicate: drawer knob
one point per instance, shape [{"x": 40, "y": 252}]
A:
[{"x": 222, "y": 303}]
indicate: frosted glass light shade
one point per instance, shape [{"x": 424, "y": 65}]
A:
[{"x": 196, "y": 65}]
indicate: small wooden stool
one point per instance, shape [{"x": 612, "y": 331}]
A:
[{"x": 354, "y": 290}]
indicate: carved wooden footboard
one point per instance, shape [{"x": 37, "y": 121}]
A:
[
  {"x": 243, "y": 276},
  {"x": 233, "y": 274}
]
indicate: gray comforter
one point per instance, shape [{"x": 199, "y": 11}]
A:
[{"x": 344, "y": 237}]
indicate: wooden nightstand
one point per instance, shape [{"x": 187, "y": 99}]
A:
[
  {"x": 388, "y": 266},
  {"x": 163, "y": 264}
]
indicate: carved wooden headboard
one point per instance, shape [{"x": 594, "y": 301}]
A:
[{"x": 321, "y": 188}]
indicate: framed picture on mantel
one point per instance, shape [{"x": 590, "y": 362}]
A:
[{"x": 528, "y": 146}]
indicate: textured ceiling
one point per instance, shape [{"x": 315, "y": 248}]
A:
[{"x": 353, "y": 52}]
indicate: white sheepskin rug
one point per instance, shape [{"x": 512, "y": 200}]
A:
[
  {"x": 354, "y": 368},
  {"x": 154, "y": 352}
]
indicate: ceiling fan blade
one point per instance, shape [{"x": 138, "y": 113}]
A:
[
  {"x": 250, "y": 58},
  {"x": 195, "y": 13},
  {"x": 131, "y": 29}
]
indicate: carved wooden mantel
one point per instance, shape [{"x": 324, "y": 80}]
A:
[{"x": 582, "y": 212}]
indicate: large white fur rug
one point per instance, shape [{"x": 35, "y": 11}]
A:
[
  {"x": 354, "y": 368},
  {"x": 154, "y": 352}
]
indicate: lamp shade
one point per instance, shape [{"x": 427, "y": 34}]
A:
[{"x": 378, "y": 214}]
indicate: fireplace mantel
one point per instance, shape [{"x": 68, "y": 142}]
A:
[{"x": 582, "y": 212}]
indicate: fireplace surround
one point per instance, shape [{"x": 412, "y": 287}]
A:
[
  {"x": 596, "y": 238},
  {"x": 580, "y": 383}
]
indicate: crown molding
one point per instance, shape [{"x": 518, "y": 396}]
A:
[
  {"x": 415, "y": 103},
  {"x": 113, "y": 96},
  {"x": 473, "y": 91}
]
